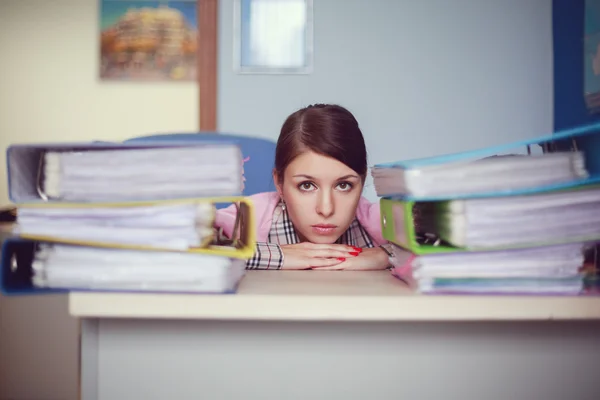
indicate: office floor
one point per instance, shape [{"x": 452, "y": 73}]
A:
[{"x": 39, "y": 349}]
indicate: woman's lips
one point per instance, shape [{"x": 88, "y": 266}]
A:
[{"x": 323, "y": 229}]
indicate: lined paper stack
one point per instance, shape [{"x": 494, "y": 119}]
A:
[
  {"x": 533, "y": 270},
  {"x": 90, "y": 268},
  {"x": 514, "y": 221},
  {"x": 153, "y": 173},
  {"x": 128, "y": 217}
]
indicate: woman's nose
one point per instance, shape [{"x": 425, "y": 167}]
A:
[{"x": 325, "y": 204}]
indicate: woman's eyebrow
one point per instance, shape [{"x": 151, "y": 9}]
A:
[
  {"x": 314, "y": 179},
  {"x": 348, "y": 177}
]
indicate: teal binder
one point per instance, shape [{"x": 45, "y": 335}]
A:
[{"x": 585, "y": 138}]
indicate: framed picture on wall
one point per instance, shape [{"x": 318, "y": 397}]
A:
[
  {"x": 273, "y": 36},
  {"x": 162, "y": 41},
  {"x": 148, "y": 40}
]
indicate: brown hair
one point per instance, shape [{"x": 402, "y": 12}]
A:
[{"x": 326, "y": 129}]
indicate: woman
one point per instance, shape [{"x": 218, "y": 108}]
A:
[{"x": 317, "y": 219}]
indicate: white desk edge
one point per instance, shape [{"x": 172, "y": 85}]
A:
[{"x": 331, "y": 296}]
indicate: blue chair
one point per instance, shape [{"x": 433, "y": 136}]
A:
[{"x": 258, "y": 170}]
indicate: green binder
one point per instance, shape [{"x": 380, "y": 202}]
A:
[{"x": 497, "y": 223}]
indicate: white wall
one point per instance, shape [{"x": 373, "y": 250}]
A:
[{"x": 422, "y": 77}]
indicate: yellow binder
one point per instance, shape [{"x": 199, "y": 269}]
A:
[{"x": 242, "y": 245}]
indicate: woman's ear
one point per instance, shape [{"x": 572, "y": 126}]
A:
[{"x": 278, "y": 185}]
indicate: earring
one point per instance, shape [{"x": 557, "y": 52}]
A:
[{"x": 283, "y": 206}]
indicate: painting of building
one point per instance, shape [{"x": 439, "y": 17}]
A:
[{"x": 148, "y": 40}]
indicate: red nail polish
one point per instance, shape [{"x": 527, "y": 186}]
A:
[
  {"x": 354, "y": 253},
  {"x": 341, "y": 259},
  {"x": 357, "y": 249}
]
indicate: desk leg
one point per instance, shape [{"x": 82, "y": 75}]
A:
[{"x": 89, "y": 359}]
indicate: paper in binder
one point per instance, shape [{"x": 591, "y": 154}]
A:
[
  {"x": 174, "y": 225},
  {"x": 515, "y": 221},
  {"x": 556, "y": 261},
  {"x": 487, "y": 172},
  {"x": 39, "y": 267},
  {"x": 554, "y": 269},
  {"x": 480, "y": 224},
  {"x": 100, "y": 172},
  {"x": 496, "y": 174},
  {"x": 515, "y": 286}
]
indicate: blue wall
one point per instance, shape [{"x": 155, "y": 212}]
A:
[
  {"x": 568, "y": 31},
  {"x": 569, "y": 104}
]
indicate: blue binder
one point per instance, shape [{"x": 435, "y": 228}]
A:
[
  {"x": 23, "y": 161},
  {"x": 16, "y": 257},
  {"x": 16, "y": 271},
  {"x": 585, "y": 138}
]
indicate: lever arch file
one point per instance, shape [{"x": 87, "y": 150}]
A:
[
  {"x": 34, "y": 267},
  {"x": 124, "y": 225},
  {"x": 486, "y": 173},
  {"x": 483, "y": 224},
  {"x": 132, "y": 171}
]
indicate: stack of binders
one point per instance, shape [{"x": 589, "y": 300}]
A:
[
  {"x": 497, "y": 220},
  {"x": 125, "y": 217}
]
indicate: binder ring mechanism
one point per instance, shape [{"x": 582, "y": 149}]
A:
[
  {"x": 40, "y": 178},
  {"x": 551, "y": 147},
  {"x": 14, "y": 264},
  {"x": 223, "y": 240},
  {"x": 19, "y": 258}
]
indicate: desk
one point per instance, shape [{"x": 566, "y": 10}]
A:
[{"x": 329, "y": 335}]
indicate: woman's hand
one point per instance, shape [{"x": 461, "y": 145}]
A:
[
  {"x": 369, "y": 259},
  {"x": 310, "y": 255}
]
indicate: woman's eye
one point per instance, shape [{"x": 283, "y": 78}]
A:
[
  {"x": 306, "y": 186},
  {"x": 344, "y": 186}
]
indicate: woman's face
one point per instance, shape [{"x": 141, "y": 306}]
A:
[{"x": 321, "y": 195}]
